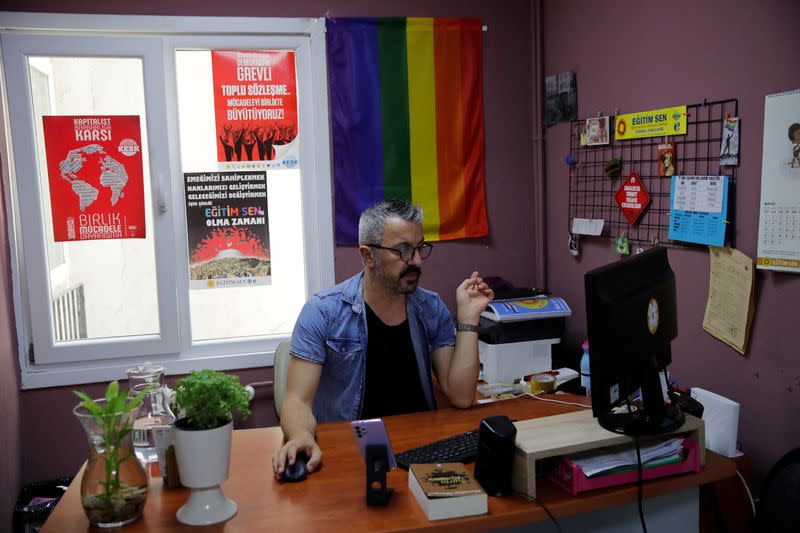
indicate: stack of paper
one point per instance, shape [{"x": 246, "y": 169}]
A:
[{"x": 603, "y": 459}]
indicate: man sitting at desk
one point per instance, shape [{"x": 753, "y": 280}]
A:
[{"x": 339, "y": 372}]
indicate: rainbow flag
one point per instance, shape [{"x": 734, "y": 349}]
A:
[{"x": 407, "y": 121}]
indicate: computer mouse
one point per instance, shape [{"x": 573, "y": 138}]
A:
[{"x": 297, "y": 471}]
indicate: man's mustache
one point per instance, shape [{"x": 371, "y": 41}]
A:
[{"x": 411, "y": 269}]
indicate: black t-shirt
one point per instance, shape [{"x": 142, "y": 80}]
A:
[{"x": 392, "y": 382}]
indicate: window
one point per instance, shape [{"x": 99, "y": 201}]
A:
[{"x": 88, "y": 309}]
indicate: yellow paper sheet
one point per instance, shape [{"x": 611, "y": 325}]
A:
[{"x": 730, "y": 306}]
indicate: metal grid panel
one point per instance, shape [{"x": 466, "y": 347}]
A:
[{"x": 591, "y": 193}]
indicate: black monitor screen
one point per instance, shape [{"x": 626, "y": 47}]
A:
[{"x": 631, "y": 315}]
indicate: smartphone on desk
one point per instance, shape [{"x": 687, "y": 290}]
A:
[{"x": 369, "y": 432}]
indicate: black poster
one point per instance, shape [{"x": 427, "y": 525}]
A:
[
  {"x": 560, "y": 98},
  {"x": 228, "y": 229}
]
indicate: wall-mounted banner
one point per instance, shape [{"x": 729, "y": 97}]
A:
[
  {"x": 255, "y": 103},
  {"x": 655, "y": 123},
  {"x": 94, "y": 168},
  {"x": 228, "y": 229}
]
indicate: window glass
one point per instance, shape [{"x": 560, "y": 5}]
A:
[
  {"x": 100, "y": 288},
  {"x": 97, "y": 296},
  {"x": 229, "y": 312}
]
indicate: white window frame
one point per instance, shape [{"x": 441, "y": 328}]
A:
[{"x": 174, "y": 346}]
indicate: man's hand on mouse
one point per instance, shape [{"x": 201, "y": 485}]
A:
[{"x": 288, "y": 453}]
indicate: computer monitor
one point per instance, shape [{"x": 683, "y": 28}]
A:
[{"x": 631, "y": 315}]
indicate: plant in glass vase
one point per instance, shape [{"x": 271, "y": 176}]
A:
[
  {"x": 206, "y": 401},
  {"x": 114, "y": 484}
]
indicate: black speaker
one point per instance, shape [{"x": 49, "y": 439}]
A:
[{"x": 495, "y": 455}]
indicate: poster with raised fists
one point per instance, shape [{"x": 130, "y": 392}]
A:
[{"x": 255, "y": 106}]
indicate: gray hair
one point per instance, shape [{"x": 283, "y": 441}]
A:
[{"x": 370, "y": 225}]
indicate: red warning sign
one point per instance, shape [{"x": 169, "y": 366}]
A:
[{"x": 632, "y": 198}]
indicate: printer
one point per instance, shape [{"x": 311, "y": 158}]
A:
[{"x": 516, "y": 337}]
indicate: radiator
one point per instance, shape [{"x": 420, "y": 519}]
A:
[{"x": 69, "y": 315}]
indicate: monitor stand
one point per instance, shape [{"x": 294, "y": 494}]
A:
[
  {"x": 641, "y": 423},
  {"x": 652, "y": 417}
]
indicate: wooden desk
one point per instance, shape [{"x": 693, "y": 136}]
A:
[{"x": 332, "y": 499}]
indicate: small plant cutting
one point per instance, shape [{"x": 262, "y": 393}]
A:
[
  {"x": 114, "y": 484},
  {"x": 207, "y": 399}
]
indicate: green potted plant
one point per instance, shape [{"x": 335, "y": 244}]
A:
[
  {"x": 206, "y": 401},
  {"x": 114, "y": 484}
]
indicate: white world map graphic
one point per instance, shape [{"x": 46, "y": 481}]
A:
[{"x": 112, "y": 175}]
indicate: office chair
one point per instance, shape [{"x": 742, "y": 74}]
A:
[
  {"x": 780, "y": 496},
  {"x": 280, "y": 371}
]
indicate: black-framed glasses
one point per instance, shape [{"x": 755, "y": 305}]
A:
[{"x": 407, "y": 252}]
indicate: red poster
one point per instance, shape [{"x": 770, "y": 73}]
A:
[
  {"x": 94, "y": 166},
  {"x": 632, "y": 197},
  {"x": 255, "y": 103}
]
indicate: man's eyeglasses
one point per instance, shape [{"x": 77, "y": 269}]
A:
[{"x": 407, "y": 252}]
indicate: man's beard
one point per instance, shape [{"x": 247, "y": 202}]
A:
[
  {"x": 409, "y": 269},
  {"x": 395, "y": 284}
]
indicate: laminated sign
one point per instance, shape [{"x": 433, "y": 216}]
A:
[
  {"x": 632, "y": 198},
  {"x": 94, "y": 169}
]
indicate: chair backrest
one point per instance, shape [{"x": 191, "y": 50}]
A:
[
  {"x": 280, "y": 371},
  {"x": 780, "y": 496}
]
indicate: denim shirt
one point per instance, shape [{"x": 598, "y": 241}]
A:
[{"x": 332, "y": 331}]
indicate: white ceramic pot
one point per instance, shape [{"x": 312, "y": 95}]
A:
[{"x": 203, "y": 461}]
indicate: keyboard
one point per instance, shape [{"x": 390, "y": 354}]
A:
[{"x": 462, "y": 448}]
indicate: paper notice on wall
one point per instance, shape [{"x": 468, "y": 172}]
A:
[
  {"x": 698, "y": 209},
  {"x": 587, "y": 226},
  {"x": 731, "y": 304}
]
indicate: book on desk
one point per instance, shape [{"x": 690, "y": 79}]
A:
[{"x": 446, "y": 490}]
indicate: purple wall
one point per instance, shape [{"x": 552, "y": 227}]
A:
[
  {"x": 508, "y": 252},
  {"x": 633, "y": 57}
]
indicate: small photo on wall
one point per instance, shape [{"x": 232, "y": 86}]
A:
[
  {"x": 794, "y": 138},
  {"x": 597, "y": 131},
  {"x": 729, "y": 146},
  {"x": 666, "y": 159}
]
